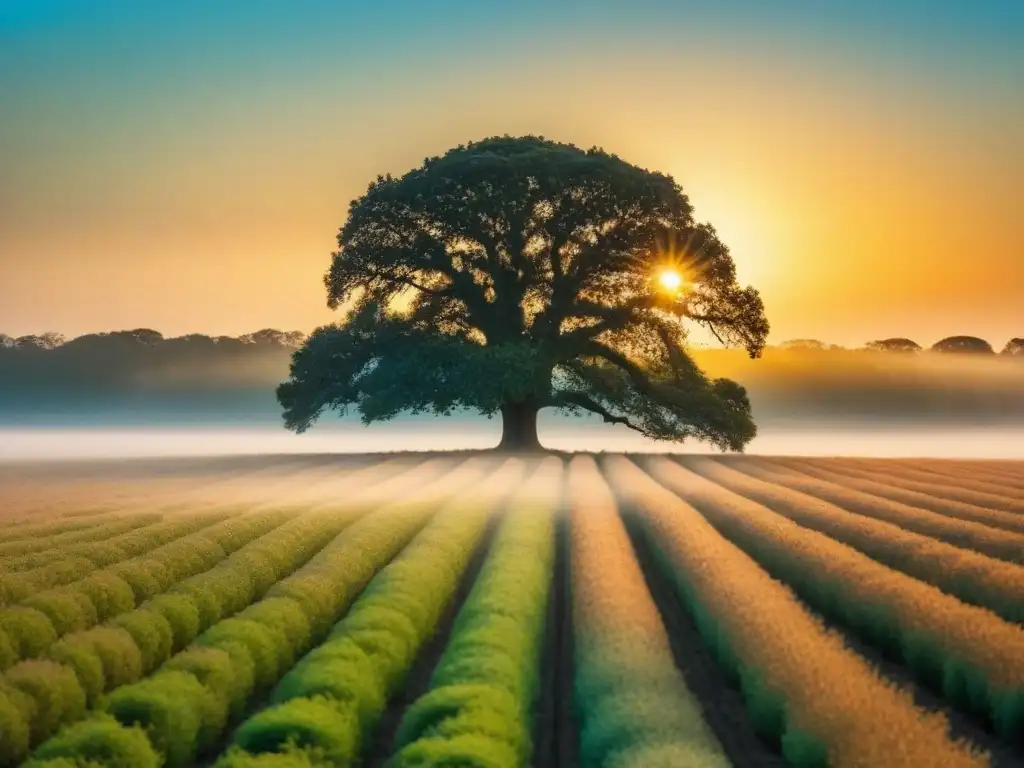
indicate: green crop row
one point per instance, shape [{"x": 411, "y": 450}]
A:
[
  {"x": 76, "y": 561},
  {"x": 134, "y": 643},
  {"x": 331, "y": 700},
  {"x": 19, "y": 530},
  {"x": 480, "y": 706},
  {"x": 126, "y": 545},
  {"x": 972, "y": 656},
  {"x": 803, "y": 688},
  {"x": 186, "y": 706},
  {"x": 633, "y": 704},
  {"x": 118, "y": 524},
  {"x": 29, "y": 629},
  {"x": 121, "y": 652}
]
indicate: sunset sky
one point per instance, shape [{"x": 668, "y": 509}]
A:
[{"x": 185, "y": 165}]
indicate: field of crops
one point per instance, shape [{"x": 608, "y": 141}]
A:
[{"x": 469, "y": 610}]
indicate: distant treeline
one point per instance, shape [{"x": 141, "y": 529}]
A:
[
  {"x": 140, "y": 374},
  {"x": 142, "y": 377},
  {"x": 953, "y": 344}
]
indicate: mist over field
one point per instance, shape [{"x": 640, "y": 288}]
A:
[{"x": 809, "y": 402}]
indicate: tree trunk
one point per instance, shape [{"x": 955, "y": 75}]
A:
[{"x": 519, "y": 427}]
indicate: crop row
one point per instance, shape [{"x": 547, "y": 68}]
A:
[
  {"x": 75, "y": 561},
  {"x": 802, "y": 686},
  {"x": 941, "y": 499},
  {"x": 633, "y": 703},
  {"x": 480, "y": 705},
  {"x": 970, "y": 576},
  {"x": 332, "y": 699},
  {"x": 964, "y": 490},
  {"x": 938, "y": 473},
  {"x": 117, "y": 524},
  {"x": 121, "y": 586},
  {"x": 994, "y": 542},
  {"x": 28, "y": 629},
  {"x": 972, "y": 656},
  {"x": 21, "y": 529},
  {"x": 106, "y": 657},
  {"x": 186, "y": 706}
]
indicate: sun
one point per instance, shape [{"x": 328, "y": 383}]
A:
[{"x": 670, "y": 280}]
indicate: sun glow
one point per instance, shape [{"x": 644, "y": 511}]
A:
[{"x": 670, "y": 280}]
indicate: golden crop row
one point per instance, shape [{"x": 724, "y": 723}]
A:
[
  {"x": 974, "y": 657},
  {"x": 634, "y": 704},
  {"x": 993, "y": 542},
  {"x": 951, "y": 476},
  {"x": 827, "y": 701},
  {"x": 944, "y": 499},
  {"x": 974, "y": 578}
]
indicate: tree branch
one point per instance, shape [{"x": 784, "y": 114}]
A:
[{"x": 587, "y": 403}]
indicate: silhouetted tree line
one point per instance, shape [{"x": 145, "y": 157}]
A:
[
  {"x": 139, "y": 367},
  {"x": 141, "y": 377},
  {"x": 948, "y": 345}
]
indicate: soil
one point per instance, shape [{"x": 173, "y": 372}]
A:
[{"x": 556, "y": 731}]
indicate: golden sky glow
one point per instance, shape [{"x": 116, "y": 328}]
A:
[{"x": 865, "y": 192}]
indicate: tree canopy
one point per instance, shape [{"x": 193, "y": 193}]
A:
[
  {"x": 963, "y": 345},
  {"x": 894, "y": 345},
  {"x": 1014, "y": 347},
  {"x": 514, "y": 274}
]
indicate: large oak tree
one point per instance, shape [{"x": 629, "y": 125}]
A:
[{"x": 515, "y": 274}]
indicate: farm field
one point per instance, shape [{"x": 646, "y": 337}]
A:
[{"x": 476, "y": 609}]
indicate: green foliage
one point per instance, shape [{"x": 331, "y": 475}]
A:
[
  {"x": 290, "y": 758},
  {"x": 98, "y": 741},
  {"x": 288, "y": 620},
  {"x": 171, "y": 707},
  {"x": 146, "y": 577},
  {"x": 498, "y": 717},
  {"x": 8, "y": 650},
  {"x": 15, "y": 712},
  {"x": 201, "y": 554},
  {"x": 29, "y": 631},
  {"x": 232, "y": 589},
  {"x": 227, "y": 671},
  {"x": 239, "y": 657},
  {"x": 152, "y": 634},
  {"x": 15, "y": 587},
  {"x": 480, "y": 703},
  {"x": 87, "y": 665},
  {"x": 67, "y": 611},
  {"x": 331, "y": 699},
  {"x": 181, "y": 615},
  {"x": 341, "y": 671},
  {"x": 56, "y": 694},
  {"x": 108, "y": 593},
  {"x": 463, "y": 749},
  {"x": 208, "y": 607},
  {"x": 317, "y": 723},
  {"x": 262, "y": 643},
  {"x": 51, "y": 548},
  {"x": 114, "y": 648},
  {"x": 519, "y": 271}
]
